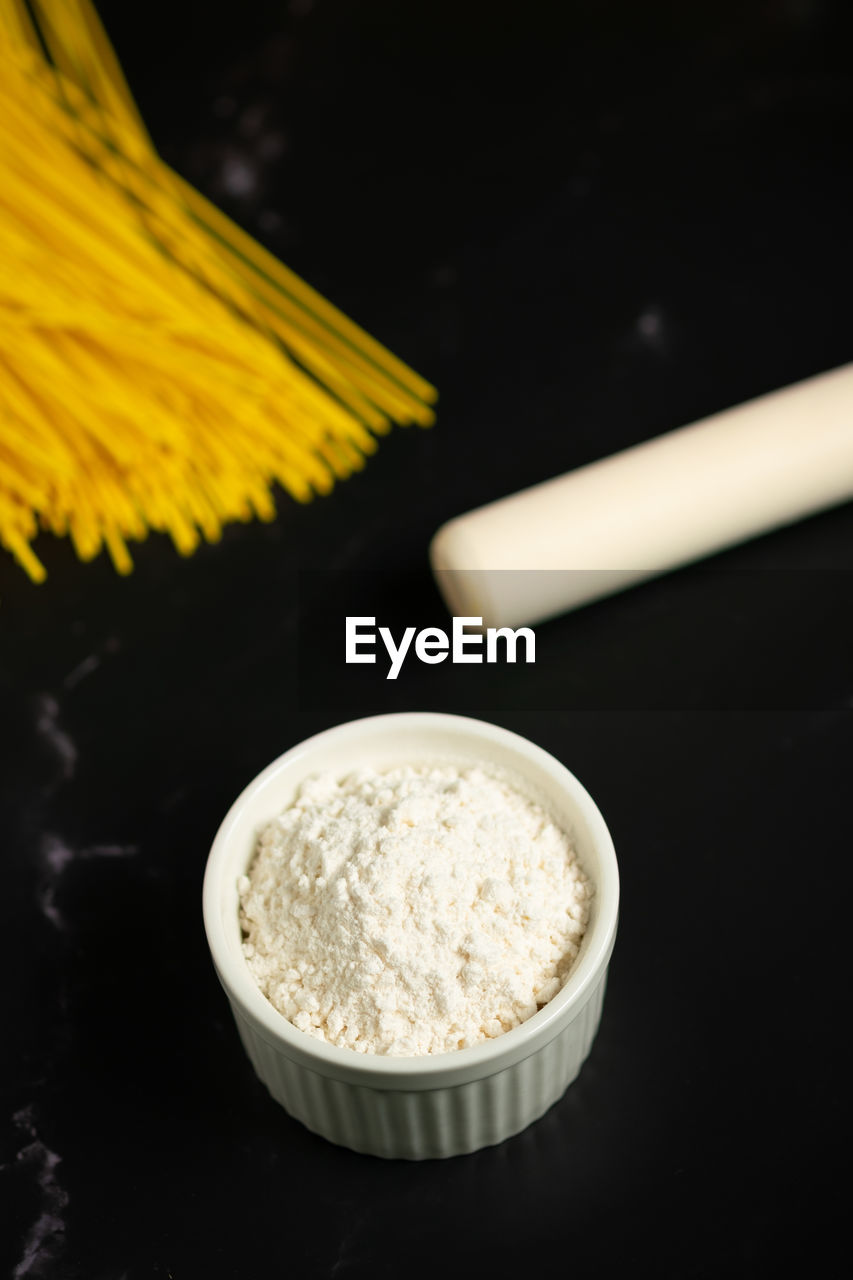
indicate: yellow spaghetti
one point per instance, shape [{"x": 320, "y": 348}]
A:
[{"x": 158, "y": 368}]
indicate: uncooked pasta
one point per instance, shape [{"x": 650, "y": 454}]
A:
[{"x": 159, "y": 369}]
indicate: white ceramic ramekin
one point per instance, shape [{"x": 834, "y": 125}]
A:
[{"x": 433, "y": 1105}]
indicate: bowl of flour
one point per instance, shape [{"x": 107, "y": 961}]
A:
[{"x": 412, "y": 917}]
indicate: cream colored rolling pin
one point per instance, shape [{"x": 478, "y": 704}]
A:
[{"x": 658, "y": 505}]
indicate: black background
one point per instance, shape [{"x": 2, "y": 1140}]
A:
[{"x": 587, "y": 223}]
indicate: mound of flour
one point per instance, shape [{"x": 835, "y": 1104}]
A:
[{"x": 412, "y": 911}]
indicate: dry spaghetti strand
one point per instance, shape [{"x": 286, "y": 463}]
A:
[{"x": 159, "y": 369}]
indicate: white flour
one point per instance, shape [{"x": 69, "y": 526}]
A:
[{"x": 412, "y": 911}]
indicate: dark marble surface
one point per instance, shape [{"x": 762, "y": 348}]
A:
[{"x": 587, "y": 223}]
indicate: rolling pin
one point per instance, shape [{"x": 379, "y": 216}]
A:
[{"x": 651, "y": 508}]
